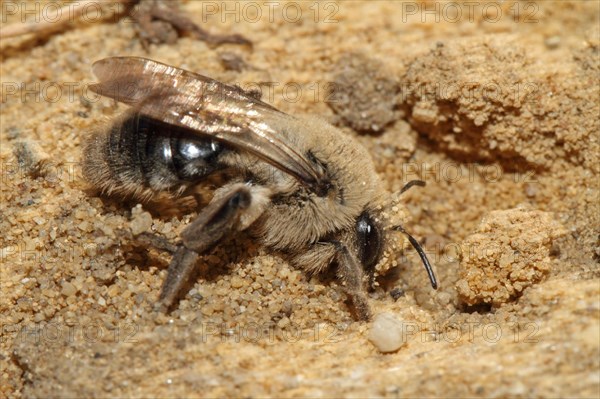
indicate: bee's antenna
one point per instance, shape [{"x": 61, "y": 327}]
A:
[
  {"x": 421, "y": 253},
  {"x": 411, "y": 183},
  {"x": 414, "y": 242}
]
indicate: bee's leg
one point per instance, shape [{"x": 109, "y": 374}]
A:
[
  {"x": 232, "y": 209},
  {"x": 160, "y": 22},
  {"x": 156, "y": 241},
  {"x": 351, "y": 274},
  {"x": 181, "y": 267}
]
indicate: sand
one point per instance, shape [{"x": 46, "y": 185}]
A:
[{"x": 497, "y": 109}]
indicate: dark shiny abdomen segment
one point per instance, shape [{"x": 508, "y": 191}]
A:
[{"x": 140, "y": 154}]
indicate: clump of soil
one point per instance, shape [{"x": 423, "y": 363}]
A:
[
  {"x": 509, "y": 252},
  {"x": 363, "y": 93},
  {"x": 494, "y": 98}
]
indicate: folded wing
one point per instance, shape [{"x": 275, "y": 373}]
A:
[{"x": 205, "y": 106}]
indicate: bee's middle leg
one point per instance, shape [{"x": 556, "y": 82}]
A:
[{"x": 223, "y": 216}]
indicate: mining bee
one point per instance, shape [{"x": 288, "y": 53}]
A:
[{"x": 298, "y": 185}]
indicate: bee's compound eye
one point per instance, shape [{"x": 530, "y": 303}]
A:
[{"x": 369, "y": 239}]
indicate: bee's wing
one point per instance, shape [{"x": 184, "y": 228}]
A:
[{"x": 204, "y": 105}]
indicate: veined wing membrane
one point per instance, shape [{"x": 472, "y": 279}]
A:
[{"x": 204, "y": 105}]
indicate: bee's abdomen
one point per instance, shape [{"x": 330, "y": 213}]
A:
[{"x": 140, "y": 156}]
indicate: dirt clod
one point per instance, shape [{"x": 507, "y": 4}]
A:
[
  {"x": 509, "y": 252},
  {"x": 363, "y": 94}
]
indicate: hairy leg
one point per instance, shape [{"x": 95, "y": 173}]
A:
[{"x": 227, "y": 213}]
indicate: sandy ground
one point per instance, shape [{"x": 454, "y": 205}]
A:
[{"x": 497, "y": 108}]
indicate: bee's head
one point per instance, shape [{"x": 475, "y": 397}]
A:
[{"x": 374, "y": 251}]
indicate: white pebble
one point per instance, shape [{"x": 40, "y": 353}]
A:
[
  {"x": 386, "y": 333},
  {"x": 141, "y": 223}
]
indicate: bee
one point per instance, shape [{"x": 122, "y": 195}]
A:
[{"x": 298, "y": 185}]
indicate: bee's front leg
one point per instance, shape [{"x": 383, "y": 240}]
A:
[
  {"x": 351, "y": 275},
  {"x": 232, "y": 209},
  {"x": 159, "y": 21}
]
